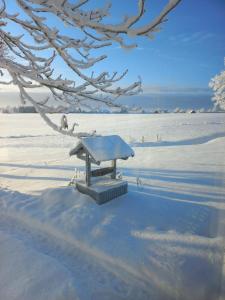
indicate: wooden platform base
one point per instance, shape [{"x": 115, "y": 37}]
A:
[{"x": 103, "y": 190}]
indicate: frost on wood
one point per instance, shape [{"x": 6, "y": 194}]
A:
[
  {"x": 29, "y": 59},
  {"x": 217, "y": 83}
]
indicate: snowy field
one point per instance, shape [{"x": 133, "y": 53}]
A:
[{"x": 162, "y": 240}]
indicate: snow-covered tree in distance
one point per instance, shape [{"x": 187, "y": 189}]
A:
[
  {"x": 217, "y": 83},
  {"x": 71, "y": 31}
]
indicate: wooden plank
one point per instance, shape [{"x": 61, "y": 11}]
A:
[{"x": 102, "y": 171}]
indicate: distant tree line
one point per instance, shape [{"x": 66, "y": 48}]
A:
[
  {"x": 18, "y": 109},
  {"x": 122, "y": 110}
]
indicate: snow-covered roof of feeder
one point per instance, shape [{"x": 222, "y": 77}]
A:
[{"x": 103, "y": 148}]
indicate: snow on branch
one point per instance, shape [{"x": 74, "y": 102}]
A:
[
  {"x": 30, "y": 58},
  {"x": 217, "y": 83}
]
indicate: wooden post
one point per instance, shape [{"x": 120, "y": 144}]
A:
[
  {"x": 113, "y": 176},
  {"x": 88, "y": 170}
]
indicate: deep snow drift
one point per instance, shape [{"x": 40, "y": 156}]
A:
[{"x": 162, "y": 240}]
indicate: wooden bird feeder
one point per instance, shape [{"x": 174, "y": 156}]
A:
[{"x": 101, "y": 183}]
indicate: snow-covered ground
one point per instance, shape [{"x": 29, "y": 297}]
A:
[{"x": 162, "y": 240}]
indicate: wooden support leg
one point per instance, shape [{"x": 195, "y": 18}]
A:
[
  {"x": 113, "y": 176},
  {"x": 88, "y": 170}
]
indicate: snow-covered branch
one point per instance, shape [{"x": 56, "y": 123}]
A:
[
  {"x": 30, "y": 58},
  {"x": 217, "y": 83}
]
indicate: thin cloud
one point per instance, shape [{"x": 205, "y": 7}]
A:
[
  {"x": 136, "y": 48},
  {"x": 193, "y": 38},
  {"x": 158, "y": 89}
]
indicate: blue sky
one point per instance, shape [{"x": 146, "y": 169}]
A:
[
  {"x": 183, "y": 56},
  {"x": 187, "y": 52}
]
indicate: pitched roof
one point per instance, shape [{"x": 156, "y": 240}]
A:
[{"x": 103, "y": 148}]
